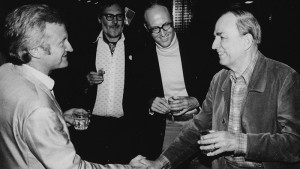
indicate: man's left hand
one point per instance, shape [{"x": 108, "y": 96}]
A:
[
  {"x": 221, "y": 141},
  {"x": 68, "y": 115}
]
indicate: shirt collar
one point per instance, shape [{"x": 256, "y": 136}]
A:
[
  {"x": 246, "y": 75},
  {"x": 46, "y": 80}
]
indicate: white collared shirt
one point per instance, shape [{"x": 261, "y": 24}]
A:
[{"x": 109, "y": 97}]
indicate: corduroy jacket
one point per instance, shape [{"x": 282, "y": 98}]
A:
[{"x": 270, "y": 117}]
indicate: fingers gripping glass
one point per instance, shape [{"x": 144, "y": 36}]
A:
[
  {"x": 111, "y": 17},
  {"x": 157, "y": 29}
]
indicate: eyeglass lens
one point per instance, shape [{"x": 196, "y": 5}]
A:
[
  {"x": 111, "y": 17},
  {"x": 157, "y": 29}
]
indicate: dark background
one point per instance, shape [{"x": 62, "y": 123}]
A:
[{"x": 279, "y": 20}]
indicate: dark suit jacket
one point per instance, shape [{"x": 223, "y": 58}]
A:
[{"x": 152, "y": 87}]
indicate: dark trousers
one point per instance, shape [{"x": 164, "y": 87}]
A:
[{"x": 107, "y": 140}]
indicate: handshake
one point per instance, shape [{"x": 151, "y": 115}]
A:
[{"x": 140, "y": 162}]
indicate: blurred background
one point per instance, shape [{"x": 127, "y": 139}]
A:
[{"x": 192, "y": 18}]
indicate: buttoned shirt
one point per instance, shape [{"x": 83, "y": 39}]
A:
[
  {"x": 238, "y": 94},
  {"x": 109, "y": 97}
]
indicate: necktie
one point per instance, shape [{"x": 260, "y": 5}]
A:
[{"x": 112, "y": 46}]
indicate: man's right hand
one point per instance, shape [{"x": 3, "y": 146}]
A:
[
  {"x": 94, "y": 78},
  {"x": 160, "y": 105},
  {"x": 151, "y": 164}
]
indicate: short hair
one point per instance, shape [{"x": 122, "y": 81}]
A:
[
  {"x": 103, "y": 4},
  {"x": 247, "y": 23},
  {"x": 25, "y": 29}
]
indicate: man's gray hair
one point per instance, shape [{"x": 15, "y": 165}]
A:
[
  {"x": 247, "y": 23},
  {"x": 25, "y": 29}
]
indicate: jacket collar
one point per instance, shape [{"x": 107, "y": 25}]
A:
[
  {"x": 258, "y": 79},
  {"x": 26, "y": 72}
]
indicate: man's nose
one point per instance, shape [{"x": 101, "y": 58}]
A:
[
  {"x": 215, "y": 44},
  {"x": 115, "y": 20},
  {"x": 69, "y": 47},
  {"x": 163, "y": 32}
]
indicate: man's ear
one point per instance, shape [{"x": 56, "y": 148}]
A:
[
  {"x": 99, "y": 20},
  {"x": 35, "y": 52},
  {"x": 146, "y": 27},
  {"x": 247, "y": 40}
]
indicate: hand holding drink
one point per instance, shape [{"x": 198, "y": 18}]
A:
[
  {"x": 101, "y": 72},
  {"x": 172, "y": 101},
  {"x": 96, "y": 77},
  {"x": 81, "y": 120}
]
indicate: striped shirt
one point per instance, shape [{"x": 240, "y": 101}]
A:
[{"x": 238, "y": 96}]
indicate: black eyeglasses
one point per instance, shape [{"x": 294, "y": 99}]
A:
[
  {"x": 165, "y": 27},
  {"x": 110, "y": 17}
]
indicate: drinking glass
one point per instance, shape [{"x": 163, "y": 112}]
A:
[{"x": 81, "y": 120}]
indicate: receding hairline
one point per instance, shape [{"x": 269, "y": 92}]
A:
[{"x": 159, "y": 7}]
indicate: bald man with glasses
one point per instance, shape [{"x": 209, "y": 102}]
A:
[{"x": 172, "y": 86}]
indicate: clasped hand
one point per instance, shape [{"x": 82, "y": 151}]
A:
[{"x": 140, "y": 162}]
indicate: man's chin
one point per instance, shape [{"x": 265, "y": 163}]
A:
[
  {"x": 64, "y": 64},
  {"x": 114, "y": 35},
  {"x": 165, "y": 44}
]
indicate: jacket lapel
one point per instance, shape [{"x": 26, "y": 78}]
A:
[
  {"x": 226, "y": 87},
  {"x": 258, "y": 80}
]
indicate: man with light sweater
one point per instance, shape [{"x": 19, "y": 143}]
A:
[{"x": 172, "y": 89}]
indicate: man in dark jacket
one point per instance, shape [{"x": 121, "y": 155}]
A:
[{"x": 172, "y": 88}]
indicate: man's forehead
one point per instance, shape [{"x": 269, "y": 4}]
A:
[
  {"x": 158, "y": 19},
  {"x": 115, "y": 8},
  {"x": 225, "y": 23},
  {"x": 57, "y": 31}
]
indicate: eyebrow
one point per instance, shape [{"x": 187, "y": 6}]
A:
[{"x": 161, "y": 25}]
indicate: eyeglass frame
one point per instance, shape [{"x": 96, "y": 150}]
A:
[
  {"x": 114, "y": 16},
  {"x": 161, "y": 27}
]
